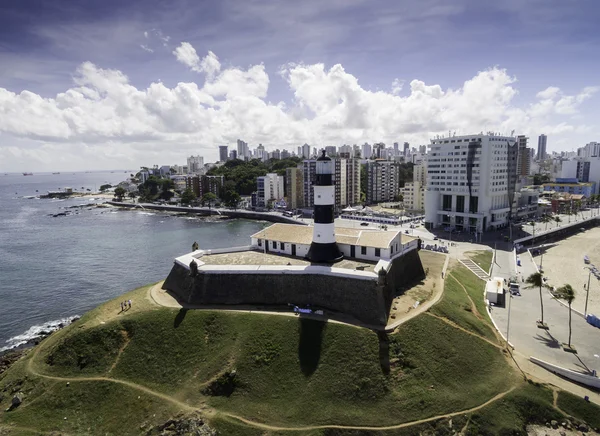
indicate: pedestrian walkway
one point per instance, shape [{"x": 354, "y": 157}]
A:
[{"x": 476, "y": 269}]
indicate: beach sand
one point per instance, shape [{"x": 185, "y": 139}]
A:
[{"x": 564, "y": 264}]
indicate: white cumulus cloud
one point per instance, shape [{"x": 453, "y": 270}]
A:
[
  {"x": 186, "y": 54},
  {"x": 103, "y": 110}
]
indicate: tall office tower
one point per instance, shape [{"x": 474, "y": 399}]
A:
[
  {"x": 299, "y": 151},
  {"x": 242, "y": 150},
  {"x": 233, "y": 155},
  {"x": 524, "y": 159},
  {"x": 261, "y": 153},
  {"x": 541, "y": 151},
  {"x": 195, "y": 164},
  {"x": 423, "y": 149},
  {"x": 366, "y": 151},
  {"x": 223, "y": 153},
  {"x": 379, "y": 150},
  {"x": 383, "y": 181},
  {"x": 324, "y": 248},
  {"x": 468, "y": 182},
  {"x": 331, "y": 150},
  {"x": 306, "y": 151},
  {"x": 294, "y": 188},
  {"x": 406, "y": 149},
  {"x": 396, "y": 149},
  {"x": 285, "y": 154},
  {"x": 347, "y": 150}
]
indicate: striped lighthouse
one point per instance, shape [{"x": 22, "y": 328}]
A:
[{"x": 323, "y": 248}]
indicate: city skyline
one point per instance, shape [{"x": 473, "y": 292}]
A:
[{"x": 103, "y": 85}]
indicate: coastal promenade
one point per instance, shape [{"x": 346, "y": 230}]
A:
[{"x": 275, "y": 217}]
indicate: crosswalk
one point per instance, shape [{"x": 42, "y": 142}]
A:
[{"x": 476, "y": 269}]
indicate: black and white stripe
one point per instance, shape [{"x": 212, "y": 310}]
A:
[{"x": 323, "y": 248}]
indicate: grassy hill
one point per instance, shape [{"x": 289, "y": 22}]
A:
[{"x": 112, "y": 373}]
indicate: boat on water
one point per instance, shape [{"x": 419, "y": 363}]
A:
[
  {"x": 28, "y": 174},
  {"x": 55, "y": 173}
]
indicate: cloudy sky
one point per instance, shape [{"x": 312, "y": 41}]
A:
[{"x": 107, "y": 84}]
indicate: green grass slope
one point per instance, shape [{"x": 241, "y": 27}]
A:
[{"x": 129, "y": 372}]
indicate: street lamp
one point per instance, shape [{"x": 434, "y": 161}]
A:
[{"x": 587, "y": 291}]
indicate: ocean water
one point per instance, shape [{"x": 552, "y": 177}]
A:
[{"x": 54, "y": 268}]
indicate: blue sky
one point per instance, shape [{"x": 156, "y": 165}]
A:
[{"x": 539, "y": 43}]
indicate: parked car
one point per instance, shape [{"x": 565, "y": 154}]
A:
[{"x": 364, "y": 224}]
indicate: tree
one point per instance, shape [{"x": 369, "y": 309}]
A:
[
  {"x": 209, "y": 197},
  {"x": 105, "y": 187},
  {"x": 536, "y": 280},
  {"x": 557, "y": 220},
  {"x": 188, "y": 196},
  {"x": 120, "y": 192},
  {"x": 232, "y": 199},
  {"x": 540, "y": 179},
  {"x": 132, "y": 195},
  {"x": 567, "y": 293}
]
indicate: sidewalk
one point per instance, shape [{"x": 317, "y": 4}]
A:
[{"x": 529, "y": 340}]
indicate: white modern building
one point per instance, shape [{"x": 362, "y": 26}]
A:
[
  {"x": 269, "y": 188},
  {"x": 582, "y": 169},
  {"x": 468, "y": 182}
]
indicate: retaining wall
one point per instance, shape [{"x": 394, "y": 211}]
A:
[{"x": 362, "y": 298}]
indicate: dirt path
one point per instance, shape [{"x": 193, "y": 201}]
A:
[
  {"x": 127, "y": 340},
  {"x": 456, "y": 326},
  {"x": 388, "y": 427},
  {"x": 187, "y": 407},
  {"x": 473, "y": 306}
]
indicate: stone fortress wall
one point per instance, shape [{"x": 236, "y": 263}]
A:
[{"x": 365, "y": 296}]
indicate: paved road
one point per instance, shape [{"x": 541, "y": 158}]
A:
[{"x": 525, "y": 310}]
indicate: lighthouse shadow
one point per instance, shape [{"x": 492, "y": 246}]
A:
[{"x": 309, "y": 345}]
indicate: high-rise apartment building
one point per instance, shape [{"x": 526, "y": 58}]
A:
[
  {"x": 352, "y": 182},
  {"x": 201, "y": 185},
  {"x": 414, "y": 192},
  {"x": 331, "y": 150},
  {"x": 541, "y": 150},
  {"x": 223, "y": 153},
  {"x": 195, "y": 164},
  {"x": 269, "y": 188},
  {"x": 306, "y": 152},
  {"x": 406, "y": 149},
  {"x": 242, "y": 150},
  {"x": 346, "y": 181},
  {"x": 366, "y": 151},
  {"x": 383, "y": 181},
  {"x": 294, "y": 188},
  {"x": 524, "y": 159},
  {"x": 468, "y": 182}
]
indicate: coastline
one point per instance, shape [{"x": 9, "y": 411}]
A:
[{"x": 205, "y": 211}]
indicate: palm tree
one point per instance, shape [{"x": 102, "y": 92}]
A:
[
  {"x": 557, "y": 220},
  {"x": 567, "y": 293},
  {"x": 536, "y": 280}
]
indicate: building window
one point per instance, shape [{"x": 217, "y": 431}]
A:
[
  {"x": 275, "y": 245},
  {"x": 260, "y": 242},
  {"x": 377, "y": 252},
  {"x": 363, "y": 250},
  {"x": 282, "y": 244}
]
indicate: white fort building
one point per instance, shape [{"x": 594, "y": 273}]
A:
[{"x": 470, "y": 182}]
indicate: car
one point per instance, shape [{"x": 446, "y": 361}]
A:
[
  {"x": 406, "y": 231},
  {"x": 364, "y": 224},
  {"x": 435, "y": 238}
]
